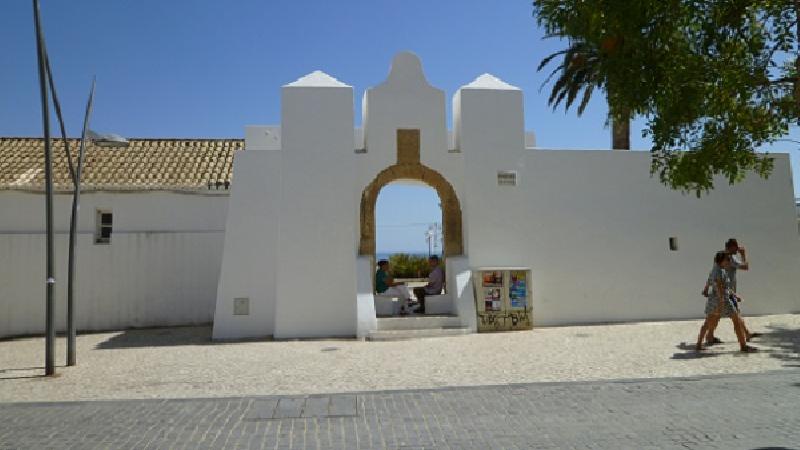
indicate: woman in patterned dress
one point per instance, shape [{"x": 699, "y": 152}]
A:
[{"x": 721, "y": 303}]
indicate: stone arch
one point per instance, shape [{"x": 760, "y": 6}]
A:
[{"x": 453, "y": 241}]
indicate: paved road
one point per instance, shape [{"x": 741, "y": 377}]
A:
[{"x": 737, "y": 411}]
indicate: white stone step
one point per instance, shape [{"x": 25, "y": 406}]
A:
[
  {"x": 401, "y": 335},
  {"x": 418, "y": 322}
]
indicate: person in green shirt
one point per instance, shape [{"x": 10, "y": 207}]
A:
[{"x": 385, "y": 285}]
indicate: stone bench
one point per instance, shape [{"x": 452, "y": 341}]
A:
[
  {"x": 389, "y": 305},
  {"x": 386, "y": 305},
  {"x": 439, "y": 304}
]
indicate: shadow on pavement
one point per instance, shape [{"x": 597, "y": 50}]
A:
[
  {"x": 784, "y": 343},
  {"x": 190, "y": 335},
  {"x": 710, "y": 352},
  {"x": 159, "y": 337},
  {"x": 14, "y": 373},
  {"x": 777, "y": 341},
  {"x": 690, "y": 353}
]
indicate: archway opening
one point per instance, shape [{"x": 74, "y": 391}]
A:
[
  {"x": 408, "y": 227},
  {"x": 450, "y": 206}
]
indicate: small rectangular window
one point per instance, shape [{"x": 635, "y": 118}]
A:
[
  {"x": 104, "y": 225},
  {"x": 673, "y": 244}
]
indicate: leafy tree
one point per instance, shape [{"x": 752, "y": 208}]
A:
[
  {"x": 714, "y": 79},
  {"x": 409, "y": 266}
]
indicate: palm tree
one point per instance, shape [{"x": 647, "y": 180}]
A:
[{"x": 580, "y": 70}]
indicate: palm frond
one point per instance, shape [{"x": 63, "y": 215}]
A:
[{"x": 576, "y": 75}]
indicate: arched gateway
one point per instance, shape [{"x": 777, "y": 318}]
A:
[
  {"x": 300, "y": 229},
  {"x": 408, "y": 167}
]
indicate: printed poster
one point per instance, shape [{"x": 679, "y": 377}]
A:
[
  {"x": 492, "y": 278},
  {"x": 492, "y": 299},
  {"x": 518, "y": 289}
]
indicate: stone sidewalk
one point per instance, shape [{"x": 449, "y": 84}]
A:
[
  {"x": 184, "y": 363},
  {"x": 720, "y": 412}
]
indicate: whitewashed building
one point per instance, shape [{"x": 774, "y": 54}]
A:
[
  {"x": 150, "y": 233},
  {"x": 288, "y": 251}
]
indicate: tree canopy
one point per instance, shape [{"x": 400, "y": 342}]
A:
[{"x": 714, "y": 79}]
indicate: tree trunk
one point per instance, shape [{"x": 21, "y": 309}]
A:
[{"x": 621, "y": 131}]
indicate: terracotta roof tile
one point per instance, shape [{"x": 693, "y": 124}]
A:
[{"x": 146, "y": 164}]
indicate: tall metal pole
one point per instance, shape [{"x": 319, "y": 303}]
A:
[
  {"x": 429, "y": 238},
  {"x": 50, "y": 313},
  {"x": 73, "y": 227}
]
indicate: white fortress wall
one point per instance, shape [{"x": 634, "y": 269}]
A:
[{"x": 595, "y": 228}]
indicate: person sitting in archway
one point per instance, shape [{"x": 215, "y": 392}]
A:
[
  {"x": 434, "y": 286},
  {"x": 385, "y": 285}
]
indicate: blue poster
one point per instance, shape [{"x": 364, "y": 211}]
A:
[{"x": 518, "y": 289}]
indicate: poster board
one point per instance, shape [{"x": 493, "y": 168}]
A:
[{"x": 503, "y": 298}]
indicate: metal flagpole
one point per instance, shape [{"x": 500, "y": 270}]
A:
[{"x": 50, "y": 330}]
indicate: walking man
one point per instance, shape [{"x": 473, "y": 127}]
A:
[
  {"x": 738, "y": 260},
  {"x": 722, "y": 303}
]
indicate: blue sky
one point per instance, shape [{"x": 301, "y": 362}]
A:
[
  {"x": 399, "y": 228},
  {"x": 206, "y": 68}
]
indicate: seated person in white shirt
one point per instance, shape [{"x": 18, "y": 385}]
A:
[{"x": 385, "y": 285}]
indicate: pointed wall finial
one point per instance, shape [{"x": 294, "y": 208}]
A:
[
  {"x": 317, "y": 78},
  {"x": 489, "y": 81},
  {"x": 406, "y": 71}
]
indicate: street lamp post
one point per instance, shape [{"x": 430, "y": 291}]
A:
[
  {"x": 112, "y": 140},
  {"x": 109, "y": 140},
  {"x": 73, "y": 229},
  {"x": 429, "y": 237},
  {"x": 432, "y": 236},
  {"x": 50, "y": 281}
]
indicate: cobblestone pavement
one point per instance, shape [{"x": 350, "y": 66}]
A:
[
  {"x": 730, "y": 412},
  {"x": 185, "y": 363}
]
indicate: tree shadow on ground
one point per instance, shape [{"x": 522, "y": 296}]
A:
[
  {"x": 777, "y": 341},
  {"x": 784, "y": 343}
]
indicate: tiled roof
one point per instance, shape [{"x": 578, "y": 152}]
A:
[{"x": 146, "y": 164}]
